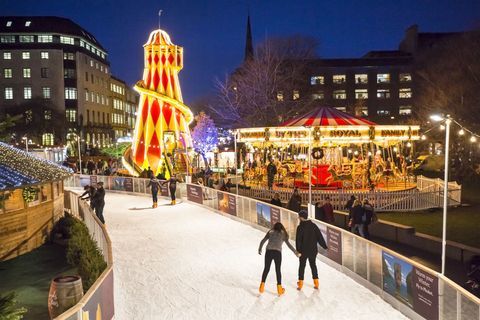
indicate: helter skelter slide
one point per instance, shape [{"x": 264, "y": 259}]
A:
[{"x": 162, "y": 138}]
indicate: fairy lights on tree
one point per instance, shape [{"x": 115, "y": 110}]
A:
[{"x": 204, "y": 135}]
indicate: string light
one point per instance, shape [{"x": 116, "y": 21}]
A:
[
  {"x": 442, "y": 127},
  {"x": 473, "y": 139},
  {"x": 424, "y": 137},
  {"x": 461, "y": 132}
]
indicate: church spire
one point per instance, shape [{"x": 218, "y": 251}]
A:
[{"x": 248, "y": 42}]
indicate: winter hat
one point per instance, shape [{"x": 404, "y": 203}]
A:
[{"x": 303, "y": 214}]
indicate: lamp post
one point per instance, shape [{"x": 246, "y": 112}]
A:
[
  {"x": 448, "y": 122},
  {"x": 79, "y": 151},
  {"x": 26, "y": 143}
]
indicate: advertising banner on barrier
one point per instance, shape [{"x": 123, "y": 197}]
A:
[
  {"x": 274, "y": 215},
  {"x": 227, "y": 203},
  {"x": 414, "y": 287},
  {"x": 118, "y": 183},
  {"x": 334, "y": 243},
  {"x": 100, "y": 305},
  {"x": 93, "y": 181},
  {"x": 263, "y": 215},
  {"x": 128, "y": 184},
  {"x": 85, "y": 180},
  {"x": 194, "y": 193}
]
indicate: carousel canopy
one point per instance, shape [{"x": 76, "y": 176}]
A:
[{"x": 326, "y": 116}]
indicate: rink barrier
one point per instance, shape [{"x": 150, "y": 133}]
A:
[
  {"x": 99, "y": 299},
  {"x": 429, "y": 296}
]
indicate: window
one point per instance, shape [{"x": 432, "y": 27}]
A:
[
  {"x": 70, "y": 93},
  {"x": 68, "y": 56},
  {"x": 383, "y": 78},
  {"x": 86, "y": 95},
  {"x": 47, "y": 139},
  {"x": 339, "y": 94},
  {"x": 405, "y": 93},
  {"x": 313, "y": 80},
  {"x": 96, "y": 65},
  {"x": 296, "y": 95},
  {"x": 7, "y": 39},
  {"x": 343, "y": 109},
  {"x": 9, "y": 23},
  {"x": 44, "y": 55},
  {"x": 28, "y": 116},
  {"x": 101, "y": 68},
  {"x": 361, "y": 111},
  {"x": 86, "y": 76},
  {"x": 45, "y": 38},
  {"x": 28, "y": 23},
  {"x": 383, "y": 93},
  {"x": 8, "y": 93},
  {"x": 27, "y": 73},
  {"x": 91, "y": 64},
  {"x": 405, "y": 110},
  {"x": 82, "y": 43},
  {"x": 405, "y": 77},
  {"x": 26, "y": 39},
  {"x": 361, "y": 78},
  {"x": 46, "y": 92},
  {"x": 47, "y": 114},
  {"x": 69, "y": 73},
  {"x": 67, "y": 40},
  {"x": 91, "y": 79},
  {"x": 93, "y": 96},
  {"x": 27, "y": 93},
  {"x": 361, "y": 94},
  {"x": 98, "y": 98},
  {"x": 71, "y": 115},
  {"x": 383, "y": 112},
  {"x": 279, "y": 96},
  {"x": 44, "y": 72},
  {"x": 7, "y": 56},
  {"x": 339, "y": 78},
  {"x": 318, "y": 95},
  {"x": 7, "y": 73},
  {"x": 25, "y": 55}
]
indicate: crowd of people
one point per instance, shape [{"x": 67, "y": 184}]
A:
[{"x": 101, "y": 167}]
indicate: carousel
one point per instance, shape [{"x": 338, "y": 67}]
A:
[{"x": 327, "y": 149}]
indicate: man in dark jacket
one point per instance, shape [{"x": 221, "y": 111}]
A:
[
  {"x": 308, "y": 235},
  {"x": 99, "y": 201},
  {"x": 271, "y": 172}
]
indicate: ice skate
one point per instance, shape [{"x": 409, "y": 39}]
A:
[
  {"x": 315, "y": 283},
  {"x": 262, "y": 287},
  {"x": 154, "y": 205},
  {"x": 299, "y": 284},
  {"x": 280, "y": 289}
]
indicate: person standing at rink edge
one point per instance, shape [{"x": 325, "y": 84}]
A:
[
  {"x": 154, "y": 184},
  {"x": 308, "y": 235},
  {"x": 172, "y": 186},
  {"x": 276, "y": 237}
]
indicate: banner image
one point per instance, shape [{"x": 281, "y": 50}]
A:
[
  {"x": 118, "y": 183},
  {"x": 128, "y": 184},
  {"x": 93, "y": 181},
  {"x": 425, "y": 294},
  {"x": 274, "y": 215},
  {"x": 397, "y": 278},
  {"x": 164, "y": 188},
  {"x": 227, "y": 203},
  {"x": 334, "y": 243},
  {"x": 263, "y": 214},
  {"x": 194, "y": 193}
]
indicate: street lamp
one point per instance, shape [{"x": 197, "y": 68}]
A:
[
  {"x": 447, "y": 121},
  {"x": 26, "y": 142},
  {"x": 79, "y": 151}
]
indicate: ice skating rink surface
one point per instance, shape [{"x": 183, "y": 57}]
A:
[{"x": 186, "y": 262}]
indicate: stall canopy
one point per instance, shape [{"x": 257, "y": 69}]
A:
[{"x": 325, "y": 116}]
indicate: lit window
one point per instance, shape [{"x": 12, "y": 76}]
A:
[
  {"x": 96, "y": 65},
  {"x": 106, "y": 70},
  {"x": 7, "y": 73},
  {"x": 27, "y": 93},
  {"x": 86, "y": 95},
  {"x": 8, "y": 93},
  {"x": 93, "y": 96},
  {"x": 343, "y": 109},
  {"x": 68, "y": 56},
  {"x": 26, "y": 39},
  {"x": 7, "y": 56},
  {"x": 67, "y": 40},
  {"x": 296, "y": 94},
  {"x": 46, "y": 92},
  {"x": 339, "y": 94},
  {"x": 318, "y": 96},
  {"x": 87, "y": 46},
  {"x": 82, "y": 43},
  {"x": 339, "y": 78},
  {"x": 101, "y": 68},
  {"x": 98, "y": 98},
  {"x": 45, "y": 38},
  {"x": 361, "y": 94},
  {"x": 91, "y": 63},
  {"x": 361, "y": 78},
  {"x": 25, "y": 55},
  {"x": 69, "y": 73},
  {"x": 383, "y": 93},
  {"x": 27, "y": 73},
  {"x": 44, "y": 55},
  {"x": 7, "y": 39},
  {"x": 9, "y": 23},
  {"x": 28, "y": 23},
  {"x": 47, "y": 139},
  {"x": 383, "y": 78},
  {"x": 70, "y": 93},
  {"x": 44, "y": 72},
  {"x": 71, "y": 115},
  {"x": 317, "y": 80},
  {"x": 103, "y": 99},
  {"x": 405, "y": 110},
  {"x": 47, "y": 114},
  {"x": 280, "y": 96},
  {"x": 405, "y": 93},
  {"x": 383, "y": 112}
]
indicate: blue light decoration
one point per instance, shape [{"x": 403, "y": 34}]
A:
[{"x": 204, "y": 135}]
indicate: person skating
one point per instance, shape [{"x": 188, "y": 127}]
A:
[
  {"x": 154, "y": 184},
  {"x": 88, "y": 194},
  {"x": 276, "y": 237},
  {"x": 172, "y": 186},
  {"x": 99, "y": 201},
  {"x": 308, "y": 235}
]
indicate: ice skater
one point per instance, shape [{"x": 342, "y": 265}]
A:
[
  {"x": 154, "y": 184},
  {"x": 99, "y": 201},
  {"x": 308, "y": 235},
  {"x": 276, "y": 237},
  {"x": 172, "y": 186}
]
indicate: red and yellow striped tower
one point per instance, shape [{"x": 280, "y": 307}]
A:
[{"x": 162, "y": 137}]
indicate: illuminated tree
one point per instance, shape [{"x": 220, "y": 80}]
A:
[{"x": 204, "y": 135}]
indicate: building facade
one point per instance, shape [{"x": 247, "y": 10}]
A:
[
  {"x": 124, "y": 103},
  {"x": 54, "y": 62}
]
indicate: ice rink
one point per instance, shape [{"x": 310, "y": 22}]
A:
[{"x": 186, "y": 262}]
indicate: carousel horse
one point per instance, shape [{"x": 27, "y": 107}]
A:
[{"x": 336, "y": 176}]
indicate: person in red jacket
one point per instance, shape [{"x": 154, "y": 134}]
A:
[{"x": 328, "y": 211}]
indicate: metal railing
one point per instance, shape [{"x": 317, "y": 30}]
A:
[{"x": 431, "y": 295}]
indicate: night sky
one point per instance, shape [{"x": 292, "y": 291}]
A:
[{"x": 213, "y": 32}]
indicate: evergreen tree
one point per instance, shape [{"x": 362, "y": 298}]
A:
[{"x": 204, "y": 135}]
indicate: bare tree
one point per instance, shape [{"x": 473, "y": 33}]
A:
[{"x": 265, "y": 90}]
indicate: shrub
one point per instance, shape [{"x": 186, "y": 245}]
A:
[{"x": 8, "y": 310}]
